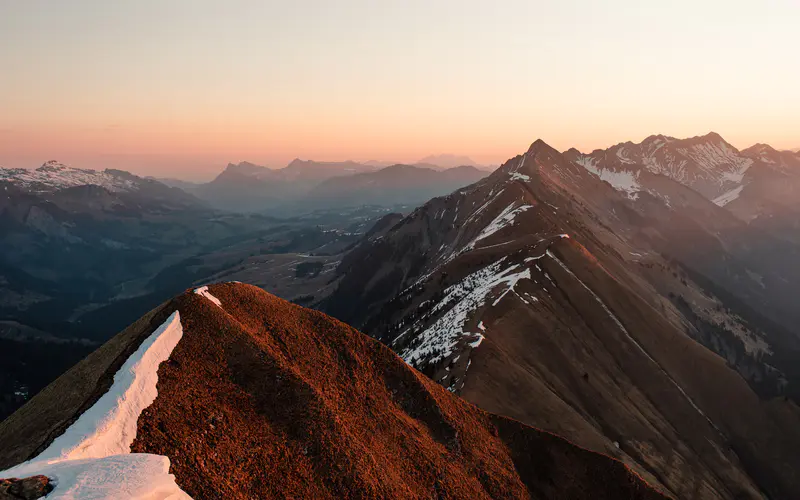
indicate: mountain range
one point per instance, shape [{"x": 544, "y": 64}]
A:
[
  {"x": 303, "y": 186},
  {"x": 637, "y": 301},
  {"x": 637, "y": 316}
]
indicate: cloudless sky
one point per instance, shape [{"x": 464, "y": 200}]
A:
[{"x": 181, "y": 87}]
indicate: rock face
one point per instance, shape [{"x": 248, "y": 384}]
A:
[
  {"x": 263, "y": 398},
  {"x": 29, "y": 488}
]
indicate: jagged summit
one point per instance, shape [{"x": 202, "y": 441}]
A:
[
  {"x": 707, "y": 164},
  {"x": 537, "y": 146},
  {"x": 257, "y": 397}
]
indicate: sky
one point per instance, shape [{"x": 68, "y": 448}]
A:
[{"x": 179, "y": 88}]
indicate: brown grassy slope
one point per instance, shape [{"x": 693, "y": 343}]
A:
[
  {"x": 580, "y": 376},
  {"x": 262, "y": 398}
]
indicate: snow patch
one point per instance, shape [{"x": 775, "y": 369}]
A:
[
  {"x": 624, "y": 180},
  {"x": 516, "y": 176},
  {"x": 441, "y": 339},
  {"x": 203, "y": 290},
  {"x": 93, "y": 458},
  {"x": 728, "y": 197}
]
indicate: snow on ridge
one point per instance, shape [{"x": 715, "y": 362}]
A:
[
  {"x": 53, "y": 175},
  {"x": 203, "y": 291},
  {"x": 93, "y": 458},
  {"x": 710, "y": 157}
]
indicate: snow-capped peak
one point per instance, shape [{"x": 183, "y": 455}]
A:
[
  {"x": 707, "y": 164},
  {"x": 53, "y": 175}
]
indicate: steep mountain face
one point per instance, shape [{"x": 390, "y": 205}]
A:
[
  {"x": 228, "y": 392},
  {"x": 545, "y": 294},
  {"x": 395, "y": 185},
  {"x": 759, "y": 185},
  {"x": 753, "y": 258}
]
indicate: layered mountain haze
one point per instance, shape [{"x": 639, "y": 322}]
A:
[
  {"x": 249, "y": 396},
  {"x": 543, "y": 279},
  {"x": 304, "y": 186}
]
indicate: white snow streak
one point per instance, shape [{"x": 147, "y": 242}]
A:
[
  {"x": 728, "y": 197},
  {"x": 203, "y": 290},
  {"x": 93, "y": 458},
  {"x": 440, "y": 340},
  {"x": 505, "y": 219}
]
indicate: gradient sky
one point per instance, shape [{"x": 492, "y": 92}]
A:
[{"x": 179, "y": 88}]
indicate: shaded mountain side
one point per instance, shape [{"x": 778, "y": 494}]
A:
[
  {"x": 305, "y": 186},
  {"x": 394, "y": 185},
  {"x": 263, "y": 398},
  {"x": 544, "y": 281}
]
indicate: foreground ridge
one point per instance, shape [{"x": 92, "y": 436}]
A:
[{"x": 263, "y": 398}]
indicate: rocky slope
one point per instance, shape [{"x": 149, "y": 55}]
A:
[
  {"x": 545, "y": 294},
  {"x": 251, "y": 396}
]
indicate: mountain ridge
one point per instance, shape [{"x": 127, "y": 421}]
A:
[
  {"x": 543, "y": 252},
  {"x": 336, "y": 388}
]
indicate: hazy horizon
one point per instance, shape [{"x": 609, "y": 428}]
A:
[
  {"x": 180, "y": 89},
  {"x": 200, "y": 169}
]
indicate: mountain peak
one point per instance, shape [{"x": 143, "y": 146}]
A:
[
  {"x": 539, "y": 146},
  {"x": 761, "y": 148},
  {"x": 244, "y": 168},
  {"x": 712, "y": 137}
]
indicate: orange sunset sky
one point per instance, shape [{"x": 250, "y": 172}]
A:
[{"x": 180, "y": 88}]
